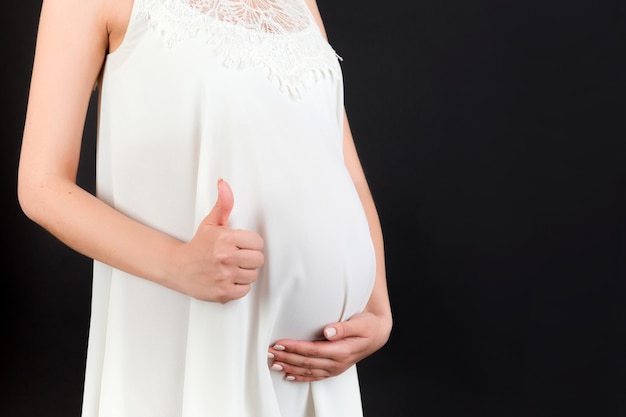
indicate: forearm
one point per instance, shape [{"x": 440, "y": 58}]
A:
[
  {"x": 379, "y": 303},
  {"x": 94, "y": 229}
]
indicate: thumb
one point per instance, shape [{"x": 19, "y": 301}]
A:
[
  {"x": 356, "y": 326},
  {"x": 223, "y": 206},
  {"x": 341, "y": 330}
]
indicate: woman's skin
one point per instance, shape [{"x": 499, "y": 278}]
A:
[{"x": 218, "y": 264}]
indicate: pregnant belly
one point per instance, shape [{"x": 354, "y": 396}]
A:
[{"x": 320, "y": 263}]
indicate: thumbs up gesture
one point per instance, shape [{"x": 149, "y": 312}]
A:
[{"x": 219, "y": 264}]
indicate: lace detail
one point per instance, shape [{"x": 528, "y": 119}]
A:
[
  {"x": 271, "y": 16},
  {"x": 277, "y": 35}
]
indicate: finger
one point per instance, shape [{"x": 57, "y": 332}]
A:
[
  {"x": 223, "y": 206},
  {"x": 246, "y": 277},
  {"x": 236, "y": 292},
  {"x": 249, "y": 259},
  {"x": 303, "y": 364},
  {"x": 300, "y": 378},
  {"x": 246, "y": 239},
  {"x": 287, "y": 348},
  {"x": 242, "y": 258},
  {"x": 352, "y": 327},
  {"x": 300, "y": 374},
  {"x": 306, "y": 360}
]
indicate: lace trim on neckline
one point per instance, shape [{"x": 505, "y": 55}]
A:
[{"x": 277, "y": 35}]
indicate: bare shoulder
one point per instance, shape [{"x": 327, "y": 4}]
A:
[
  {"x": 312, "y": 4},
  {"x": 117, "y": 16}
]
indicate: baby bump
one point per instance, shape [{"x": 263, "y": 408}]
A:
[{"x": 320, "y": 263}]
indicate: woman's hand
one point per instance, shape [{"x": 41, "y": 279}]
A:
[
  {"x": 219, "y": 264},
  {"x": 346, "y": 343}
]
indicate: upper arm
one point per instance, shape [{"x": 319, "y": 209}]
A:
[{"x": 71, "y": 45}]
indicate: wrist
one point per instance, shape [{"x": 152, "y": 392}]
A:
[{"x": 166, "y": 265}]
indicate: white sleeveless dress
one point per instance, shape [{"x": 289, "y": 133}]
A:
[{"x": 248, "y": 91}]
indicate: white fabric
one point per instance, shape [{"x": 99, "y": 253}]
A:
[{"x": 191, "y": 96}]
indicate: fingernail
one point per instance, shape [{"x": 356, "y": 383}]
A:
[
  {"x": 290, "y": 378},
  {"x": 330, "y": 332},
  {"x": 276, "y": 367},
  {"x": 279, "y": 347},
  {"x": 270, "y": 355}
]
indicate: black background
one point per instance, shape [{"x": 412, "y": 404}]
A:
[{"x": 493, "y": 137}]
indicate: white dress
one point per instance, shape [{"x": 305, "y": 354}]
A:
[{"x": 248, "y": 91}]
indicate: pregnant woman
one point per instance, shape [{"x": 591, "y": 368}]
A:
[{"x": 238, "y": 257}]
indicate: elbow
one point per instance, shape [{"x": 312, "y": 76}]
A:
[
  {"x": 40, "y": 196},
  {"x": 30, "y": 196},
  {"x": 26, "y": 196},
  {"x": 388, "y": 326}
]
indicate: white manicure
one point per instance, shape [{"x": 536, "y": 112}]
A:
[{"x": 330, "y": 332}]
